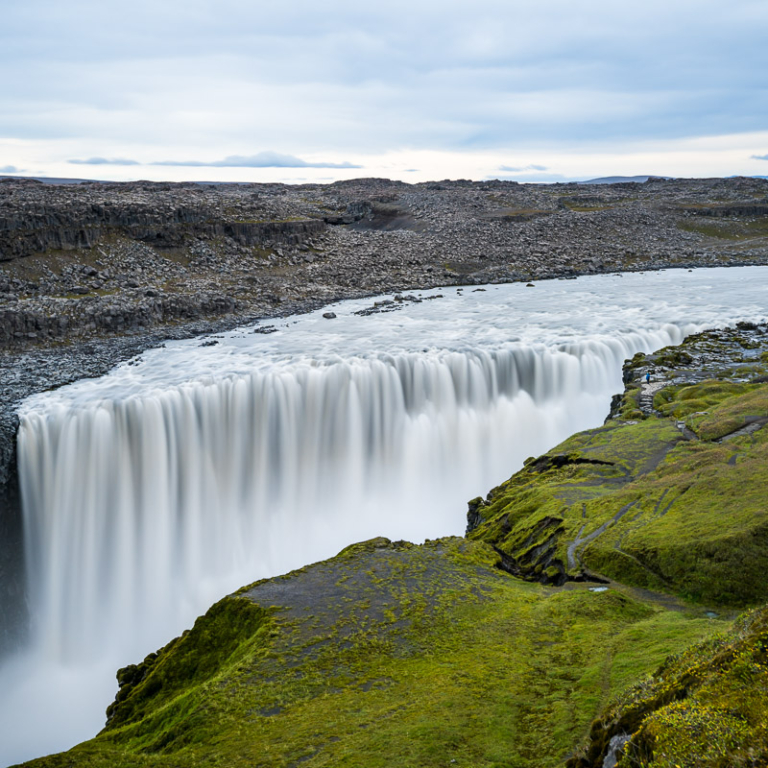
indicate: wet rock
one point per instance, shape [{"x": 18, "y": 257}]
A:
[{"x": 474, "y": 516}]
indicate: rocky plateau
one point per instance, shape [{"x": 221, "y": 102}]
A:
[{"x": 91, "y": 272}]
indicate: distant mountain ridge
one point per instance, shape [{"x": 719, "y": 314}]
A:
[{"x": 623, "y": 179}]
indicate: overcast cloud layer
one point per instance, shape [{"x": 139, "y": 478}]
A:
[
  {"x": 261, "y": 160},
  {"x": 150, "y": 89}
]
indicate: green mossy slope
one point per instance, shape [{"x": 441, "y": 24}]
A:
[
  {"x": 704, "y": 708},
  {"x": 392, "y": 654},
  {"x": 231, "y": 628},
  {"x": 672, "y": 501}
]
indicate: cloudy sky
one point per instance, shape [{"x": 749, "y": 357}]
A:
[{"x": 242, "y": 90}]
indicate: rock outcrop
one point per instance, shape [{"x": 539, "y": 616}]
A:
[{"x": 36, "y": 218}]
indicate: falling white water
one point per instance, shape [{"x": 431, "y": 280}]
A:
[
  {"x": 150, "y": 493},
  {"x": 146, "y": 501}
]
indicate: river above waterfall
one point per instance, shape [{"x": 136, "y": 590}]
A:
[
  {"x": 208, "y": 463},
  {"x": 550, "y": 313}
]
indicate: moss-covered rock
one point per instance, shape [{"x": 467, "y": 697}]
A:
[
  {"x": 704, "y": 708},
  {"x": 227, "y": 631}
]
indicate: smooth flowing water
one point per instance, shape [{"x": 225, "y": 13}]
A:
[{"x": 150, "y": 493}]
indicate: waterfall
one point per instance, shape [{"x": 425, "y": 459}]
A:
[{"x": 138, "y": 509}]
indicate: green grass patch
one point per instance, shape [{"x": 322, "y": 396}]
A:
[
  {"x": 725, "y": 229},
  {"x": 732, "y": 414},
  {"x": 704, "y": 708}
]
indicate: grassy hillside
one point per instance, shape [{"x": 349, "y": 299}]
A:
[
  {"x": 672, "y": 499},
  {"x": 704, "y": 708}
]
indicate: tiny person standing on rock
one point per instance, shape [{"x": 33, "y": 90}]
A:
[{"x": 648, "y": 377}]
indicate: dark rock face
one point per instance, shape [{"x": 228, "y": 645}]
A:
[
  {"x": 13, "y": 609},
  {"x": 81, "y": 220},
  {"x": 474, "y": 517},
  {"x": 733, "y": 211}
]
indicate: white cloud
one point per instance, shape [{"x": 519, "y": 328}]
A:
[
  {"x": 103, "y": 161},
  {"x": 261, "y": 160},
  {"x": 524, "y": 169}
]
